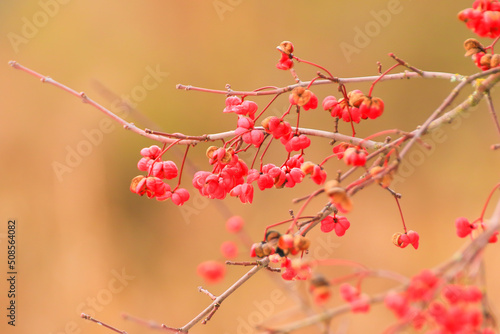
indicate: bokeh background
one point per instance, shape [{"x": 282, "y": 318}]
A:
[{"x": 78, "y": 229}]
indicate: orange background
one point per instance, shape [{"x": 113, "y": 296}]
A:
[{"x": 76, "y": 230}]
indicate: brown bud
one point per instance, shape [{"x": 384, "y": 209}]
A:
[
  {"x": 472, "y": 46},
  {"x": 286, "y": 47},
  {"x": 210, "y": 151},
  {"x": 301, "y": 243},
  {"x": 135, "y": 181},
  {"x": 301, "y": 96}
]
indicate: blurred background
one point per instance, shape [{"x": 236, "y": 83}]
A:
[{"x": 87, "y": 244}]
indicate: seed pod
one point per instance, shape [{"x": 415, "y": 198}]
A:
[
  {"x": 495, "y": 60},
  {"x": 338, "y": 195},
  {"x": 135, "y": 181},
  {"x": 486, "y": 60},
  {"x": 285, "y": 242},
  {"x": 257, "y": 250},
  {"x": 384, "y": 180},
  {"x": 301, "y": 243},
  {"x": 272, "y": 236},
  {"x": 265, "y": 123},
  {"x": 396, "y": 239},
  {"x": 267, "y": 249},
  {"x": 301, "y": 96},
  {"x": 472, "y": 46},
  {"x": 356, "y": 97},
  {"x": 286, "y": 47},
  {"x": 307, "y": 167},
  {"x": 210, "y": 151},
  {"x": 227, "y": 157}
]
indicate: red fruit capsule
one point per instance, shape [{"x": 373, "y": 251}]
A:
[{"x": 211, "y": 271}]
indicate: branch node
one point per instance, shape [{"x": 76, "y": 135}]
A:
[
  {"x": 177, "y": 330},
  {"x": 208, "y": 293}
]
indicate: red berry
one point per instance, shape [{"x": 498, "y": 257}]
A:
[
  {"x": 229, "y": 249},
  {"x": 180, "y": 196},
  {"x": 354, "y": 156},
  {"x": 464, "y": 227},
  {"x": 234, "y": 224},
  {"x": 211, "y": 271},
  {"x": 329, "y": 103}
]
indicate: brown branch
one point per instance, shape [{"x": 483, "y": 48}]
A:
[
  {"x": 88, "y": 317},
  {"x": 448, "y": 270},
  {"x": 185, "y": 140},
  {"x": 397, "y": 76},
  {"x": 208, "y": 312}
]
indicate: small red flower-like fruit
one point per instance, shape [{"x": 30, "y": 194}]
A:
[
  {"x": 234, "y": 224},
  {"x": 329, "y": 103},
  {"x": 338, "y": 223},
  {"x": 340, "y": 149},
  {"x": 354, "y": 156},
  {"x": 285, "y": 241},
  {"x": 229, "y": 249},
  {"x": 180, "y": 196},
  {"x": 397, "y": 303},
  {"x": 285, "y": 62},
  {"x": 464, "y": 227},
  {"x": 371, "y": 107},
  {"x": 404, "y": 239},
  {"x": 165, "y": 170},
  {"x": 244, "y": 192},
  {"x": 211, "y": 271}
]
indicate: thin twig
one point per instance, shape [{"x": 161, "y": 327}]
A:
[
  {"x": 493, "y": 113},
  {"x": 149, "y": 323},
  {"x": 88, "y": 317}
]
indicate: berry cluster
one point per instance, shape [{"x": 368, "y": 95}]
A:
[
  {"x": 158, "y": 170},
  {"x": 483, "y": 18},
  {"x": 227, "y": 176},
  {"x": 354, "y": 107},
  {"x": 279, "y": 247},
  {"x": 458, "y": 311},
  {"x": 479, "y": 55}
]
